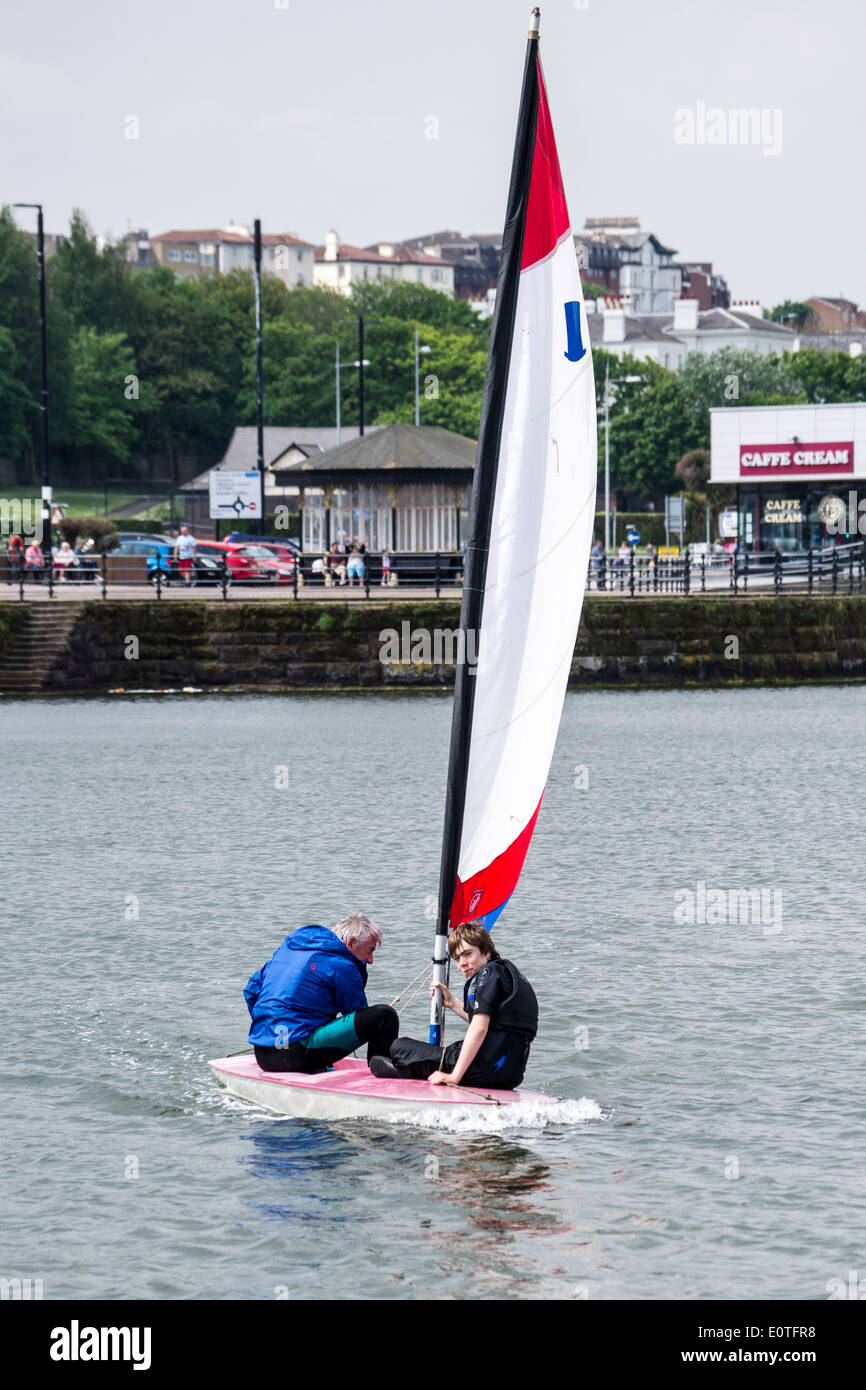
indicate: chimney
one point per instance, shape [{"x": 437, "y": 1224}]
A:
[
  {"x": 685, "y": 316},
  {"x": 332, "y": 246},
  {"x": 614, "y": 321},
  {"x": 752, "y": 307},
  {"x": 386, "y": 248}
]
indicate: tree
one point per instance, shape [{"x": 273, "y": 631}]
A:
[
  {"x": 103, "y": 413},
  {"x": 694, "y": 470},
  {"x": 828, "y": 376},
  {"x": 733, "y": 377},
  {"x": 650, "y": 433},
  {"x": 790, "y": 312}
]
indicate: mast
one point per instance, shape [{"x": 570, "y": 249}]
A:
[{"x": 481, "y": 507}]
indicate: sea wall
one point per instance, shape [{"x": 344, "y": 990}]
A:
[{"x": 327, "y": 645}]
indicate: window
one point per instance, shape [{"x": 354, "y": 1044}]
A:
[
  {"x": 174, "y": 255},
  {"x": 300, "y": 255},
  {"x": 341, "y": 271},
  {"x": 190, "y": 255},
  {"x": 437, "y": 276},
  {"x": 300, "y": 279},
  {"x": 208, "y": 258},
  {"x": 420, "y": 273}
]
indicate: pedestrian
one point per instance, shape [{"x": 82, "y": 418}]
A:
[
  {"x": 34, "y": 561},
  {"x": 355, "y": 568},
  {"x": 386, "y": 568},
  {"x": 184, "y": 551},
  {"x": 64, "y": 559}
]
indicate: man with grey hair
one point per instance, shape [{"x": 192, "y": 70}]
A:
[{"x": 307, "y": 1003}]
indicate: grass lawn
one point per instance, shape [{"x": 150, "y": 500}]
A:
[{"x": 90, "y": 501}]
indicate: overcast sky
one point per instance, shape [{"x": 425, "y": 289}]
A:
[{"x": 317, "y": 115}]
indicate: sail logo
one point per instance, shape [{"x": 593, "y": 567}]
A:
[
  {"x": 574, "y": 332},
  {"x": 76, "y": 1343},
  {"x": 715, "y": 907},
  {"x": 444, "y": 646}
]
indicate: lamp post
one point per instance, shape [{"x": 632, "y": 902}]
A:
[
  {"x": 260, "y": 429},
  {"x": 46, "y": 476},
  {"x": 607, "y": 390},
  {"x": 418, "y": 352}
]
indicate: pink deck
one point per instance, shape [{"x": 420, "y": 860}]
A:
[{"x": 352, "y": 1077}]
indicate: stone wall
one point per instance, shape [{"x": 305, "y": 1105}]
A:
[{"x": 323, "y": 645}]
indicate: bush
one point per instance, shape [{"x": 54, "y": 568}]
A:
[{"x": 78, "y": 528}]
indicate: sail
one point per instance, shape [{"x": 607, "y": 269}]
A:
[{"x": 530, "y": 532}]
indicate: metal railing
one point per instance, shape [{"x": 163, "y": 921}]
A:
[
  {"x": 311, "y": 574},
  {"x": 829, "y": 570}
]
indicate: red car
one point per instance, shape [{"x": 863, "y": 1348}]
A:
[
  {"x": 276, "y": 558},
  {"x": 244, "y": 569}
]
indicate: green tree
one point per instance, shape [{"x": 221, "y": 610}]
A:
[
  {"x": 791, "y": 313},
  {"x": 103, "y": 415},
  {"x": 828, "y": 376},
  {"x": 734, "y": 377}
]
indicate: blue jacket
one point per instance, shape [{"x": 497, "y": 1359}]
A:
[{"x": 308, "y": 981}]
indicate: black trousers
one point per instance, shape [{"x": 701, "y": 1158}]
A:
[
  {"x": 500, "y": 1063},
  {"x": 376, "y": 1026}
]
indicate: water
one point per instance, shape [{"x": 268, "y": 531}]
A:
[{"x": 710, "y": 1140}]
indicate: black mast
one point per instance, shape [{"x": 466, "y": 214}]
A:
[{"x": 484, "y": 487}]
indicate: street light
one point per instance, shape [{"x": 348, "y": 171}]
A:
[
  {"x": 607, "y": 448},
  {"x": 365, "y": 362},
  {"x": 418, "y": 351},
  {"x": 46, "y": 484}
]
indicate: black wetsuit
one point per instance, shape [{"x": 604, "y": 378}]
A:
[{"x": 506, "y": 997}]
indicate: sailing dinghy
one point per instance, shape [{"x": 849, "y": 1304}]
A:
[{"x": 527, "y": 554}]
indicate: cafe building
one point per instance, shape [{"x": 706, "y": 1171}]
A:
[{"x": 799, "y": 473}]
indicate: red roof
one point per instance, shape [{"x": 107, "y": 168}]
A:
[
  {"x": 237, "y": 238},
  {"x": 402, "y": 256}
]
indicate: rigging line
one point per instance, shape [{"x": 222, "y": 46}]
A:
[{"x": 428, "y": 966}]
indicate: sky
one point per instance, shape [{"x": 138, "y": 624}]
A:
[{"x": 390, "y": 120}]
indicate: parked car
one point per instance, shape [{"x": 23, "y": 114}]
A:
[
  {"x": 244, "y": 569},
  {"x": 282, "y": 542},
  {"x": 207, "y": 569},
  {"x": 146, "y": 536},
  {"x": 270, "y": 557}
]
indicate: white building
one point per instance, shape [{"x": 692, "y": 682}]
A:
[
  {"x": 340, "y": 266},
  {"x": 201, "y": 254},
  {"x": 709, "y": 330},
  {"x": 612, "y": 328},
  {"x": 799, "y": 470}
]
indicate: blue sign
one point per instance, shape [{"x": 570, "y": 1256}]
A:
[{"x": 632, "y": 536}]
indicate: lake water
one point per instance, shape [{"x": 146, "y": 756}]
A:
[{"x": 153, "y": 859}]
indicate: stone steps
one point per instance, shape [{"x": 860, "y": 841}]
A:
[{"x": 34, "y": 652}]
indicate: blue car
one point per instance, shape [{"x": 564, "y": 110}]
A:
[{"x": 160, "y": 557}]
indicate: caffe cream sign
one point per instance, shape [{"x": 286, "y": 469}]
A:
[{"x": 779, "y": 460}]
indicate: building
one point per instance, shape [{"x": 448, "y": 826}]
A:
[
  {"x": 834, "y": 316},
  {"x": 201, "y": 254},
  {"x": 475, "y": 259},
  {"x": 633, "y": 265},
  {"x": 401, "y": 488},
  {"x": 699, "y": 282},
  {"x": 284, "y": 446},
  {"x": 611, "y": 328},
  {"x": 799, "y": 472},
  {"x": 340, "y": 266},
  {"x": 741, "y": 326}
]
